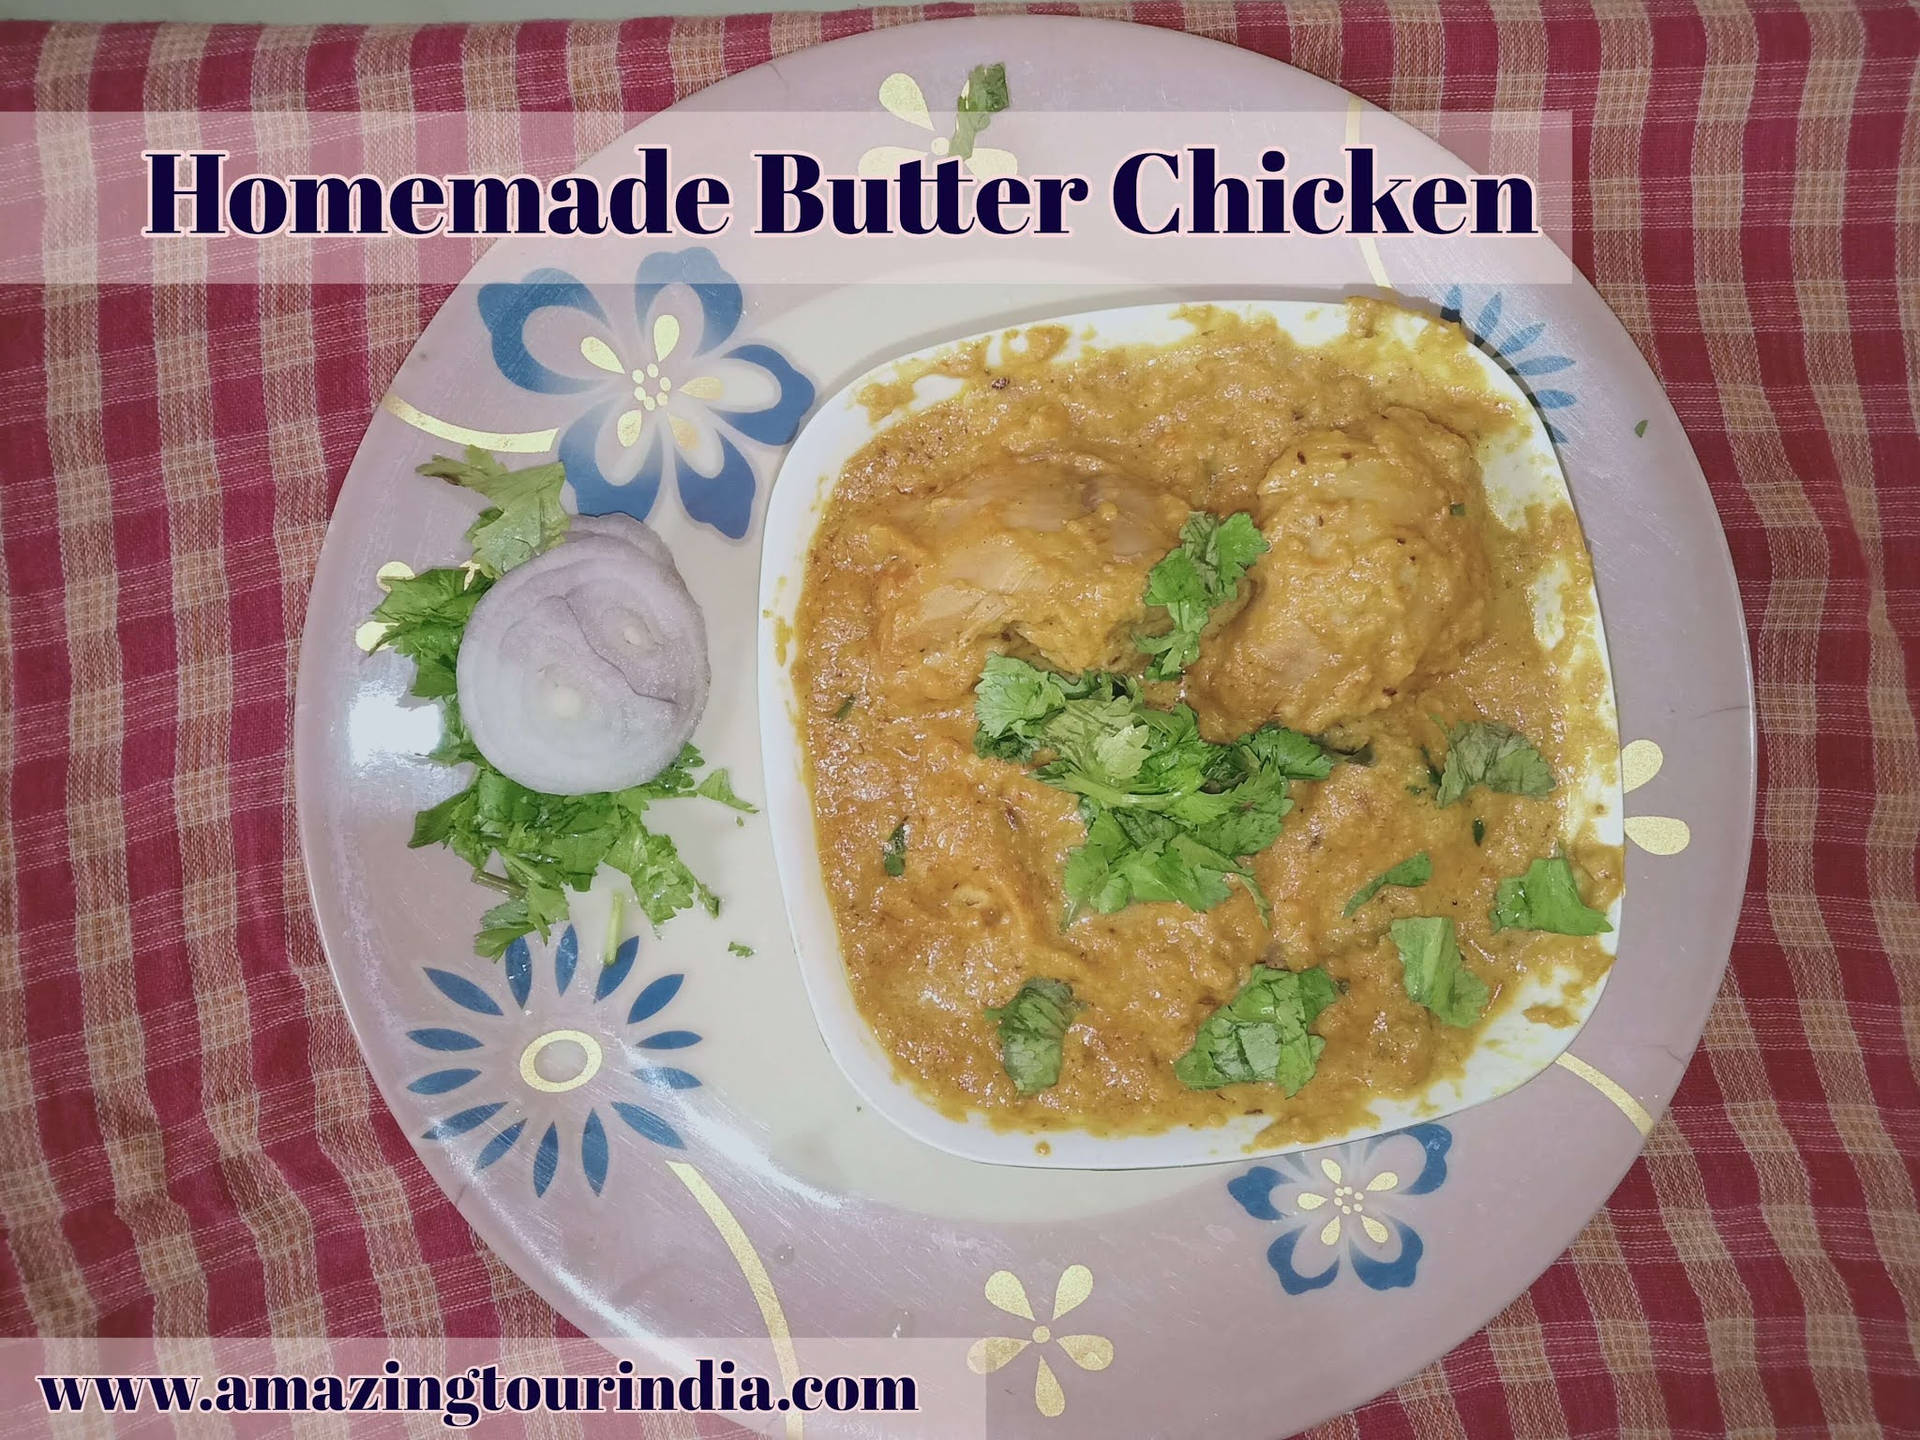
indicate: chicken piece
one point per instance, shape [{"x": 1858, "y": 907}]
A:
[
  {"x": 1373, "y": 581},
  {"x": 1050, "y": 552}
]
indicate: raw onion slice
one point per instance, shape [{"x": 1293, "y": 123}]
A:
[
  {"x": 584, "y": 669},
  {"x": 625, "y": 528}
]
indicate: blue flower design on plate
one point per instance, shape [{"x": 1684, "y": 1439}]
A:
[
  {"x": 659, "y": 388},
  {"x": 541, "y": 1071},
  {"x": 1519, "y": 351},
  {"x": 1345, "y": 1201}
]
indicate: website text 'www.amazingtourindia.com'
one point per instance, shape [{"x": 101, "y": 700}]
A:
[{"x": 463, "y": 1398}]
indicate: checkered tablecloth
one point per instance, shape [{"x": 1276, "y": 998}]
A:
[{"x": 189, "y": 1143}]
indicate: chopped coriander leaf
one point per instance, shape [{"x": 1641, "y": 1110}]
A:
[
  {"x": 1433, "y": 972},
  {"x": 718, "y": 785},
  {"x": 1261, "y": 1034},
  {"x": 1456, "y": 509},
  {"x": 1033, "y": 1026},
  {"x": 982, "y": 97},
  {"x": 1479, "y": 830},
  {"x": 893, "y": 855},
  {"x": 1169, "y": 815},
  {"x": 846, "y": 708},
  {"x": 1546, "y": 898},
  {"x": 1193, "y": 581},
  {"x": 1479, "y": 753},
  {"x": 740, "y": 948},
  {"x": 1410, "y": 873},
  {"x": 525, "y": 516},
  {"x": 425, "y": 617},
  {"x": 1640, "y": 430}
]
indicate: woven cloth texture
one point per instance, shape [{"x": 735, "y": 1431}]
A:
[{"x": 189, "y": 1142}]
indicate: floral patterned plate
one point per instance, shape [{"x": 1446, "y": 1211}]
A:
[{"x": 662, "y": 1145}]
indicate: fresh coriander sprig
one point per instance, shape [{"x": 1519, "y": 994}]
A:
[
  {"x": 1195, "y": 579},
  {"x": 1169, "y": 815}
]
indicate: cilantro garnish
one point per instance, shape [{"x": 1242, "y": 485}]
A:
[
  {"x": 525, "y": 516},
  {"x": 1033, "y": 1026},
  {"x": 982, "y": 97},
  {"x": 1193, "y": 581},
  {"x": 1261, "y": 1034},
  {"x": 1411, "y": 873},
  {"x": 1433, "y": 972},
  {"x": 1169, "y": 815},
  {"x": 1491, "y": 755},
  {"x": 545, "y": 845},
  {"x": 740, "y": 948},
  {"x": 893, "y": 856},
  {"x": 1546, "y": 898}
]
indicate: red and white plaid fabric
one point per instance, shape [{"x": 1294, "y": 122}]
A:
[{"x": 189, "y": 1143}]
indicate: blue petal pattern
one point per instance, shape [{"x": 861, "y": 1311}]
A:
[
  {"x": 498, "y": 1051},
  {"x": 654, "y": 998},
  {"x": 464, "y": 1121},
  {"x": 723, "y": 499},
  {"x": 499, "y": 1145},
  {"x": 648, "y": 1124},
  {"x": 546, "y": 1160},
  {"x": 1509, "y": 350},
  {"x": 612, "y": 975},
  {"x": 463, "y": 992},
  {"x": 593, "y": 1150},
  {"x": 444, "y": 1039},
  {"x": 1391, "y": 1263},
  {"x": 518, "y": 963},
  {"x": 670, "y": 1040}
]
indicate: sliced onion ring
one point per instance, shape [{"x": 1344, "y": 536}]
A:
[{"x": 584, "y": 669}]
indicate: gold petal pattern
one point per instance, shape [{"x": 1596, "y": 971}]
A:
[
  {"x": 666, "y": 335},
  {"x": 600, "y": 355},
  {"x": 703, "y": 387},
  {"x": 1385, "y": 1180},
  {"x": 1089, "y": 1352},
  {"x": 1076, "y": 1283},
  {"x": 1005, "y": 1291},
  {"x": 1640, "y": 761},
  {"x": 1659, "y": 834},
  {"x": 988, "y": 1355},
  {"x": 628, "y": 426},
  {"x": 901, "y": 97},
  {"x": 1047, "y": 1394}
]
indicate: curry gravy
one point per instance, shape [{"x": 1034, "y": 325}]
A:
[{"x": 884, "y": 661}]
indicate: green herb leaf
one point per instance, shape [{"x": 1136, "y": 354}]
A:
[
  {"x": 525, "y": 516},
  {"x": 1261, "y": 1034},
  {"x": 1032, "y": 1027},
  {"x": 1433, "y": 972},
  {"x": 1640, "y": 430},
  {"x": 1456, "y": 509},
  {"x": 893, "y": 857},
  {"x": 983, "y": 96},
  {"x": 1411, "y": 873},
  {"x": 1193, "y": 581},
  {"x": 1494, "y": 756},
  {"x": 718, "y": 785},
  {"x": 740, "y": 948},
  {"x": 1479, "y": 830},
  {"x": 1546, "y": 898},
  {"x": 1168, "y": 814},
  {"x": 846, "y": 708}
]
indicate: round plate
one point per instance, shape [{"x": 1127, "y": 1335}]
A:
[{"x": 698, "y": 1166}]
